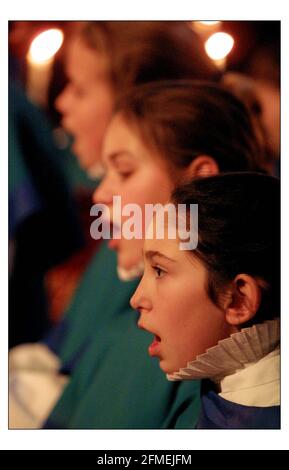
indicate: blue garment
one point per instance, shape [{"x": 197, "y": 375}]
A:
[
  {"x": 24, "y": 198},
  {"x": 218, "y": 413},
  {"x": 44, "y": 228}
]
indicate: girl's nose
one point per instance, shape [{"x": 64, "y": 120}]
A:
[
  {"x": 104, "y": 192},
  {"x": 134, "y": 300},
  {"x": 63, "y": 99},
  {"x": 140, "y": 300}
]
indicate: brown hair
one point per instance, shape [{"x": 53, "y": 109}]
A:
[
  {"x": 184, "y": 119},
  {"x": 145, "y": 51},
  {"x": 238, "y": 232},
  {"x": 247, "y": 89}
]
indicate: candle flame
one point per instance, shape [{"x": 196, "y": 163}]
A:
[
  {"x": 219, "y": 45},
  {"x": 209, "y": 23},
  {"x": 45, "y": 46}
]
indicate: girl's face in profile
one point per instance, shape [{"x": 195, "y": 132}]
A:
[
  {"x": 87, "y": 101},
  {"x": 174, "y": 305},
  {"x": 137, "y": 174}
]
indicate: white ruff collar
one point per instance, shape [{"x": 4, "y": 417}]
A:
[
  {"x": 96, "y": 171},
  {"x": 130, "y": 274},
  {"x": 233, "y": 353}
]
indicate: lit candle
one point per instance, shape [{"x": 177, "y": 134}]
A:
[
  {"x": 206, "y": 28},
  {"x": 40, "y": 62},
  {"x": 218, "y": 46}
]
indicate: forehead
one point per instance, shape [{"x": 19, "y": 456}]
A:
[
  {"x": 120, "y": 137},
  {"x": 166, "y": 229},
  {"x": 84, "y": 63},
  {"x": 168, "y": 248},
  {"x": 157, "y": 233},
  {"x": 183, "y": 261}
]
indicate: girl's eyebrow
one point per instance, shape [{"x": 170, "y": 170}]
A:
[
  {"x": 151, "y": 254},
  {"x": 115, "y": 155}
]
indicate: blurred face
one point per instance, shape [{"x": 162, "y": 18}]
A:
[
  {"x": 135, "y": 173},
  {"x": 87, "y": 101},
  {"x": 174, "y": 306}
]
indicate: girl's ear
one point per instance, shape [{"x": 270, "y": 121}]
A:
[
  {"x": 202, "y": 166},
  {"x": 244, "y": 300}
]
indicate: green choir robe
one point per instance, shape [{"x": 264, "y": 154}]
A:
[{"x": 114, "y": 384}]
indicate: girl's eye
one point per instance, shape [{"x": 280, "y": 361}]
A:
[
  {"x": 78, "y": 92},
  {"x": 159, "y": 272},
  {"x": 125, "y": 174}
]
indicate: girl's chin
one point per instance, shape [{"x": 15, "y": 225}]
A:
[
  {"x": 170, "y": 368},
  {"x": 165, "y": 367}
]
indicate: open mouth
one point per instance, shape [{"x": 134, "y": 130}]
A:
[
  {"x": 154, "y": 347},
  {"x": 113, "y": 244}
]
